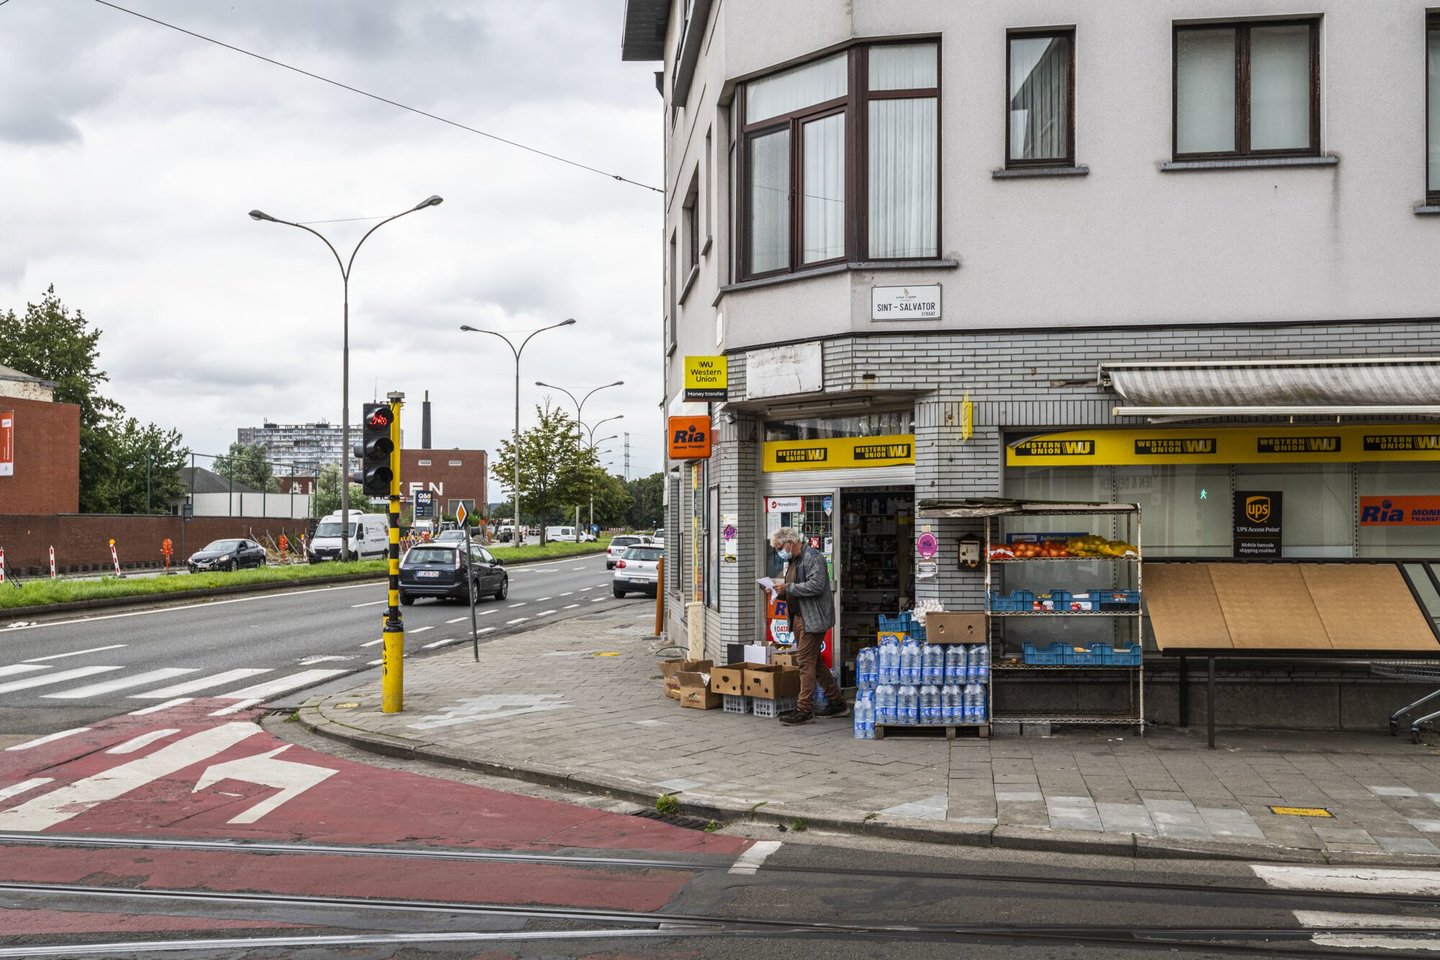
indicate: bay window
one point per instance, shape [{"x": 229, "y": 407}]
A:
[
  {"x": 1432, "y": 108},
  {"x": 839, "y": 161}
]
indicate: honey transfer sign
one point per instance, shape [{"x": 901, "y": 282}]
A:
[{"x": 1325, "y": 444}]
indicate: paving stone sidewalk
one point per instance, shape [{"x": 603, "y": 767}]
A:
[{"x": 579, "y": 704}]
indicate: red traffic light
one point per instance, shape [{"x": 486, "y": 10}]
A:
[{"x": 379, "y": 418}]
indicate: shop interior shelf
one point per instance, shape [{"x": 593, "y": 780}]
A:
[
  {"x": 1064, "y": 613},
  {"x": 1053, "y": 559}
]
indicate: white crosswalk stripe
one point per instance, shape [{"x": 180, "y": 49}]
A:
[
  {"x": 13, "y": 668},
  {"x": 121, "y": 683},
  {"x": 49, "y": 679},
  {"x": 282, "y": 684},
  {"x": 1410, "y": 933},
  {"x": 201, "y": 683}
]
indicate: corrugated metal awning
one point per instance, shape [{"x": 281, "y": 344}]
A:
[{"x": 1400, "y": 386}]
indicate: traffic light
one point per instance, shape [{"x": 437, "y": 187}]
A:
[{"x": 374, "y": 450}]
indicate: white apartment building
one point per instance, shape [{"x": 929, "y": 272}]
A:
[
  {"x": 303, "y": 448},
  {"x": 1163, "y": 253}
]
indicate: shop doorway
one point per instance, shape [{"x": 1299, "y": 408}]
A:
[{"x": 877, "y": 570}]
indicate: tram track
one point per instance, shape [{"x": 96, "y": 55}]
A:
[{"x": 1250, "y": 941}]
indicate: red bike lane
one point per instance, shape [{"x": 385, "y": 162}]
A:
[{"x": 182, "y": 774}]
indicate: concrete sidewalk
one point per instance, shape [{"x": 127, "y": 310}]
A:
[{"x": 579, "y": 704}]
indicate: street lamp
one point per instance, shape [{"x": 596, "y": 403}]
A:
[
  {"x": 580, "y": 425},
  {"x": 345, "y": 265},
  {"x": 598, "y": 423},
  {"x": 515, "y": 437}
]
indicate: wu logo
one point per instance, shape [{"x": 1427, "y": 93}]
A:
[{"x": 1257, "y": 509}]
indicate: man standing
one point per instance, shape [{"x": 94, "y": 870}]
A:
[{"x": 811, "y": 608}]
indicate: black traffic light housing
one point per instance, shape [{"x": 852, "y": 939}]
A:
[{"x": 374, "y": 450}]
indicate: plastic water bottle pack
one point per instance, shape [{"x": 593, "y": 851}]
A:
[
  {"x": 979, "y": 662},
  {"x": 952, "y": 708},
  {"x": 911, "y": 668},
  {"x": 930, "y": 711},
  {"x": 885, "y": 703},
  {"x": 888, "y": 661},
  {"x": 907, "y": 705},
  {"x": 864, "y": 718},
  {"x": 932, "y": 663},
  {"x": 957, "y": 662}
]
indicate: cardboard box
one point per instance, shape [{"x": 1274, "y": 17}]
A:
[
  {"x": 670, "y": 671},
  {"x": 757, "y": 653},
  {"x": 958, "y": 627},
  {"x": 771, "y": 682},
  {"x": 729, "y": 679},
  {"x": 785, "y": 659},
  {"x": 695, "y": 691}
]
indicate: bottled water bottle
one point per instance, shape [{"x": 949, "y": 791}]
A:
[
  {"x": 862, "y": 707},
  {"x": 982, "y": 707},
  {"x": 869, "y": 723},
  {"x": 979, "y": 662},
  {"x": 868, "y": 669},
  {"x": 907, "y": 705},
  {"x": 930, "y": 704},
  {"x": 957, "y": 662},
  {"x": 885, "y": 703},
  {"x": 950, "y": 709},
  {"x": 933, "y": 663},
  {"x": 910, "y": 667},
  {"x": 889, "y": 661},
  {"x": 974, "y": 708}
]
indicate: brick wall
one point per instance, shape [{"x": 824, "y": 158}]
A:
[
  {"x": 47, "y": 458},
  {"x": 82, "y": 541},
  {"x": 451, "y": 474}
]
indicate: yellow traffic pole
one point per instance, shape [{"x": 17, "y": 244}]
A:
[{"x": 392, "y": 670}]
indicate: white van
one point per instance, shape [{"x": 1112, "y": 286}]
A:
[
  {"x": 560, "y": 533},
  {"x": 369, "y": 537}
]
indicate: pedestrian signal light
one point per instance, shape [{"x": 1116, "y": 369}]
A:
[{"x": 374, "y": 450}]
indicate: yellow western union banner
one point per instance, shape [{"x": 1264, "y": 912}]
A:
[
  {"x": 1324, "y": 444},
  {"x": 850, "y": 452},
  {"x": 706, "y": 378}
]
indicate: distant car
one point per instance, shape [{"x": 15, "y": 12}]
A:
[
  {"x": 619, "y": 544},
  {"x": 638, "y": 570},
  {"x": 444, "y": 571},
  {"x": 449, "y": 536},
  {"x": 227, "y": 555},
  {"x": 659, "y": 537}
]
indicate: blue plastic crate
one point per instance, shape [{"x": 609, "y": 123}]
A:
[
  {"x": 1118, "y": 599},
  {"x": 1016, "y": 601},
  {"x": 897, "y": 624},
  {"x": 1057, "y": 600},
  {"x": 1045, "y": 656},
  {"x": 1124, "y": 657}
]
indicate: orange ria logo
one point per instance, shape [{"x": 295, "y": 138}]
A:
[{"x": 689, "y": 438}]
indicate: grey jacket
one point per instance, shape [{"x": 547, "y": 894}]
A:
[{"x": 810, "y": 592}]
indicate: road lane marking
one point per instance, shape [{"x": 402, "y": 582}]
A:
[
  {"x": 76, "y": 798},
  {"x": 541, "y": 599},
  {"x": 144, "y": 740},
  {"x": 510, "y": 623},
  {"x": 283, "y": 684},
  {"x": 14, "y": 790},
  {"x": 440, "y": 643},
  {"x": 483, "y": 613},
  {"x": 190, "y": 686},
  {"x": 77, "y": 653},
  {"x": 568, "y": 593},
  {"x": 544, "y": 613},
  {"x": 596, "y": 599},
  {"x": 372, "y": 603},
  {"x": 1403, "y": 926},
  {"x": 371, "y": 643},
  {"x": 235, "y": 707},
  {"x": 293, "y": 778},
  {"x": 49, "y": 678},
  {"x": 122, "y": 683},
  {"x": 420, "y": 629},
  {"x": 51, "y": 738},
  {"x": 579, "y": 568},
  {"x": 520, "y": 604},
  {"x": 161, "y": 706},
  {"x": 20, "y": 668},
  {"x": 571, "y": 606},
  {"x": 1350, "y": 879},
  {"x": 461, "y": 619},
  {"x": 583, "y": 589},
  {"x": 749, "y": 861},
  {"x": 286, "y": 594}
]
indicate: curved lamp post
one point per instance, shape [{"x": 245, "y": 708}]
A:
[
  {"x": 580, "y": 425},
  {"x": 345, "y": 265},
  {"x": 515, "y": 437}
]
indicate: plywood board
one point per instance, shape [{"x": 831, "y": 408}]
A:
[
  {"x": 1184, "y": 611},
  {"x": 1268, "y": 607},
  {"x": 1368, "y": 607}
]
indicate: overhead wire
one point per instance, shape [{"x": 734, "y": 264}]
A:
[{"x": 376, "y": 96}]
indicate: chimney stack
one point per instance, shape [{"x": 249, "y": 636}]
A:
[{"x": 425, "y": 422}]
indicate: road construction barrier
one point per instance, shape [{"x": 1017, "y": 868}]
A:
[
  {"x": 52, "y": 563},
  {"x": 114, "y": 557}
]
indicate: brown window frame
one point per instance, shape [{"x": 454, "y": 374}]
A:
[
  {"x": 1031, "y": 33},
  {"x": 854, "y": 106},
  {"x": 1242, "y": 89},
  {"x": 1432, "y": 25}
]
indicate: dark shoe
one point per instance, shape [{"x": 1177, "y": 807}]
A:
[
  {"x": 833, "y": 708},
  {"x": 793, "y": 717}
]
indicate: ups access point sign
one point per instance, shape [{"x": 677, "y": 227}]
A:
[{"x": 689, "y": 438}]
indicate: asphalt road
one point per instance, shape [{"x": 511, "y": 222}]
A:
[{"x": 69, "y": 672}]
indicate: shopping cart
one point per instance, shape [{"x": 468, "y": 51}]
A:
[{"x": 1417, "y": 671}]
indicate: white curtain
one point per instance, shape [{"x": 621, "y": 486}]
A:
[
  {"x": 803, "y": 86},
  {"x": 768, "y": 201},
  {"x": 908, "y": 67},
  {"x": 1205, "y": 91},
  {"x": 1039, "y": 98},
  {"x": 824, "y": 184},
  {"x": 1280, "y": 87},
  {"x": 903, "y": 185},
  {"x": 1433, "y": 61}
]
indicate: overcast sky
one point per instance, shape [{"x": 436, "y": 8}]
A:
[{"x": 131, "y": 153}]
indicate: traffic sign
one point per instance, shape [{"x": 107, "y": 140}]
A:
[
  {"x": 461, "y": 514},
  {"x": 424, "y": 504}
]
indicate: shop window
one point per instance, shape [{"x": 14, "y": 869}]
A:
[
  {"x": 889, "y": 424},
  {"x": 1247, "y": 89},
  {"x": 1040, "y": 98},
  {"x": 1383, "y": 489},
  {"x": 1317, "y": 506},
  {"x": 1185, "y": 510},
  {"x": 802, "y": 127}
]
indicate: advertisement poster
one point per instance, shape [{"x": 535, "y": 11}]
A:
[
  {"x": 7, "y": 443},
  {"x": 729, "y": 537},
  {"x": 1257, "y": 524},
  {"x": 1397, "y": 511}
]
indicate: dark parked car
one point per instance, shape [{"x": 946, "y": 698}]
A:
[
  {"x": 227, "y": 555},
  {"x": 444, "y": 571}
]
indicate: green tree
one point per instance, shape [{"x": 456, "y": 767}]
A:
[
  {"x": 554, "y": 467},
  {"x": 326, "y": 499},
  {"x": 245, "y": 463},
  {"x": 53, "y": 343},
  {"x": 647, "y": 502}
]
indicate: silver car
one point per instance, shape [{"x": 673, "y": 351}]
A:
[
  {"x": 619, "y": 544},
  {"x": 638, "y": 570}
]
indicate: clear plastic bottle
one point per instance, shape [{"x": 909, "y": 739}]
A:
[
  {"x": 872, "y": 667},
  {"x": 974, "y": 700},
  {"x": 979, "y": 665},
  {"x": 889, "y": 661},
  {"x": 957, "y": 662},
  {"x": 930, "y": 704},
  {"x": 885, "y": 703},
  {"x": 950, "y": 710},
  {"x": 858, "y": 713},
  {"x": 910, "y": 665},
  {"x": 933, "y": 663},
  {"x": 907, "y": 708},
  {"x": 869, "y": 719}
]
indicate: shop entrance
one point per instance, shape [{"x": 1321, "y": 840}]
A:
[{"x": 877, "y": 571}]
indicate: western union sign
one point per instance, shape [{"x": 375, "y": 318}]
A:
[
  {"x": 706, "y": 378},
  {"x": 1324, "y": 444},
  {"x": 849, "y": 452}
]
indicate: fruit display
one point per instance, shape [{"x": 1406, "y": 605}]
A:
[{"x": 1089, "y": 546}]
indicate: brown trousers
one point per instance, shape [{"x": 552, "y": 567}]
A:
[{"x": 812, "y": 667}]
